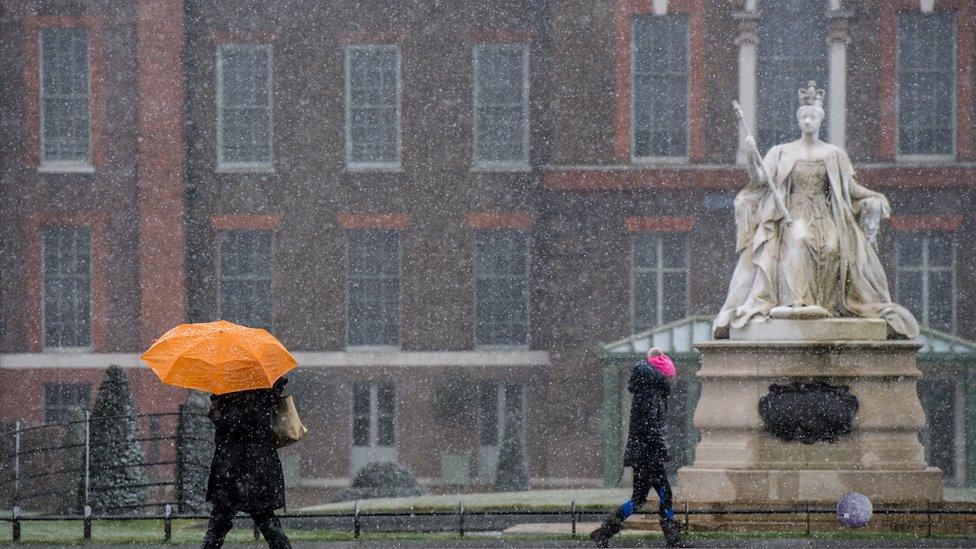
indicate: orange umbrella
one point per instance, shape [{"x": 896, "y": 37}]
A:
[{"x": 218, "y": 357}]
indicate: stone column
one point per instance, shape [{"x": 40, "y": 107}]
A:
[
  {"x": 837, "y": 38},
  {"x": 747, "y": 42}
]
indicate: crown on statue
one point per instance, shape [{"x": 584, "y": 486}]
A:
[{"x": 811, "y": 95}]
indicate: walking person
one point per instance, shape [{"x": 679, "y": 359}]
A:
[
  {"x": 647, "y": 451},
  {"x": 246, "y": 473}
]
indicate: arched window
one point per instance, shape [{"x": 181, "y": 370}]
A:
[{"x": 792, "y": 50}]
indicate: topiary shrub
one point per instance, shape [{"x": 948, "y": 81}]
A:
[
  {"x": 194, "y": 452},
  {"x": 118, "y": 476},
  {"x": 381, "y": 480},
  {"x": 513, "y": 473}
]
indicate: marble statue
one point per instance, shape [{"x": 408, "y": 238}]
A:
[{"x": 806, "y": 235}]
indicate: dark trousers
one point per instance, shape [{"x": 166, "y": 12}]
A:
[
  {"x": 646, "y": 478},
  {"x": 222, "y": 520}
]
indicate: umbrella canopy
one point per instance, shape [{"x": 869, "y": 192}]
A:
[{"x": 218, "y": 357}]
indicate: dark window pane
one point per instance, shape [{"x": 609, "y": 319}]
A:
[
  {"x": 645, "y": 301},
  {"x": 675, "y": 250},
  {"x": 501, "y": 103},
  {"x": 65, "y": 94},
  {"x": 360, "y": 430},
  {"x": 910, "y": 292},
  {"x": 385, "y": 434},
  {"x": 940, "y": 300},
  {"x": 373, "y": 104},
  {"x": 501, "y": 287},
  {"x": 373, "y": 288},
  {"x": 488, "y": 415},
  {"x": 926, "y": 82},
  {"x": 360, "y": 400},
  {"x": 245, "y": 103},
  {"x": 67, "y": 287},
  {"x": 675, "y": 296},
  {"x": 910, "y": 249},
  {"x": 645, "y": 250},
  {"x": 792, "y": 50},
  {"x": 660, "y": 85},
  {"x": 941, "y": 246},
  {"x": 246, "y": 277},
  {"x": 61, "y": 398}
]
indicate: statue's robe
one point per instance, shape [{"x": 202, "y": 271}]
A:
[{"x": 864, "y": 286}]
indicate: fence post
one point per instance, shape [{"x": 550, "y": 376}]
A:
[
  {"x": 168, "y": 523},
  {"x": 16, "y": 463},
  {"x": 461, "y": 519},
  {"x": 686, "y": 517},
  {"x": 808, "y": 519},
  {"x": 355, "y": 520},
  {"x": 87, "y": 501},
  {"x": 88, "y": 523},
  {"x": 572, "y": 510},
  {"x": 928, "y": 519},
  {"x": 15, "y": 523}
]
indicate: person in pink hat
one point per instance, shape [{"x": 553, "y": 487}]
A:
[{"x": 647, "y": 452}]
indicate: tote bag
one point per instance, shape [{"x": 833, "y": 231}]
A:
[{"x": 285, "y": 423}]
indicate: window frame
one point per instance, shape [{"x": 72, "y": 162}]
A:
[
  {"x": 925, "y": 268},
  {"x": 64, "y": 166},
  {"x": 351, "y": 165},
  {"x": 953, "y": 89},
  {"x": 91, "y": 292},
  {"x": 527, "y": 237},
  {"x": 399, "y": 260},
  {"x": 523, "y": 164},
  {"x": 634, "y": 158},
  {"x": 660, "y": 271},
  {"x": 218, "y": 256},
  {"x": 251, "y": 166},
  {"x": 374, "y": 414}
]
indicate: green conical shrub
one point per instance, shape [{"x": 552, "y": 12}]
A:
[
  {"x": 194, "y": 451},
  {"x": 513, "y": 474},
  {"x": 118, "y": 476}
]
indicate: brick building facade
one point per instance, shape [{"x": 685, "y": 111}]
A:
[{"x": 442, "y": 212}]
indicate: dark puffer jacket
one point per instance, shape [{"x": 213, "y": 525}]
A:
[{"x": 648, "y": 416}]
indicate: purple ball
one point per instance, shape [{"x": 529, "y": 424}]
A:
[{"x": 854, "y": 510}]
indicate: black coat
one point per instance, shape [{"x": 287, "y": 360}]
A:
[
  {"x": 648, "y": 416},
  {"x": 246, "y": 473}
]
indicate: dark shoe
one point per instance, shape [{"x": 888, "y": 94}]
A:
[
  {"x": 610, "y": 527},
  {"x": 672, "y": 533}
]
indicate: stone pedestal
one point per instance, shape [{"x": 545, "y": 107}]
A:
[{"x": 739, "y": 460}]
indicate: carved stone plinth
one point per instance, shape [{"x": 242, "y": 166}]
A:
[{"x": 739, "y": 459}]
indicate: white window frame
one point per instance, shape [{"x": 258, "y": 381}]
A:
[
  {"x": 528, "y": 295},
  {"x": 244, "y": 167},
  {"x": 381, "y": 348},
  {"x": 62, "y": 166},
  {"x": 373, "y": 451},
  {"x": 925, "y": 268},
  {"x": 954, "y": 88},
  {"x": 487, "y": 465},
  {"x": 521, "y": 164},
  {"x": 395, "y": 165},
  {"x": 91, "y": 296},
  {"x": 633, "y": 116},
  {"x": 660, "y": 270},
  {"x": 219, "y": 255}
]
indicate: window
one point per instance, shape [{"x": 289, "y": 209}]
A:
[
  {"x": 926, "y": 83},
  {"x": 373, "y": 414},
  {"x": 65, "y": 67},
  {"x": 792, "y": 50},
  {"x": 373, "y": 288},
  {"x": 67, "y": 302},
  {"x": 501, "y": 287},
  {"x": 925, "y": 284},
  {"x": 501, "y": 105},
  {"x": 500, "y": 406},
  {"x": 660, "y": 86},
  {"x": 373, "y": 106},
  {"x": 660, "y": 285},
  {"x": 244, "y": 128},
  {"x": 61, "y": 398},
  {"x": 246, "y": 293}
]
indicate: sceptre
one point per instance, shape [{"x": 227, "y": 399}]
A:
[{"x": 763, "y": 174}]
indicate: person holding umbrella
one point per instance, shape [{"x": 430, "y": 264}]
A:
[
  {"x": 242, "y": 368},
  {"x": 646, "y": 450}
]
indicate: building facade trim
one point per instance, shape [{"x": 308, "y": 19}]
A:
[
  {"x": 659, "y": 224},
  {"x": 395, "y": 221},
  {"x": 499, "y": 220},
  {"x": 926, "y": 222},
  {"x": 245, "y": 222}
]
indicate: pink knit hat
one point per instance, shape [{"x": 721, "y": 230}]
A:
[{"x": 659, "y": 360}]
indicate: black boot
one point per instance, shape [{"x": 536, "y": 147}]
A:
[
  {"x": 672, "y": 533},
  {"x": 610, "y": 527}
]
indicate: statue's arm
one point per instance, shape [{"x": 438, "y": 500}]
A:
[{"x": 869, "y": 206}]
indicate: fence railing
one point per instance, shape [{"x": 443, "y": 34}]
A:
[
  {"x": 37, "y": 473},
  {"x": 356, "y": 519}
]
